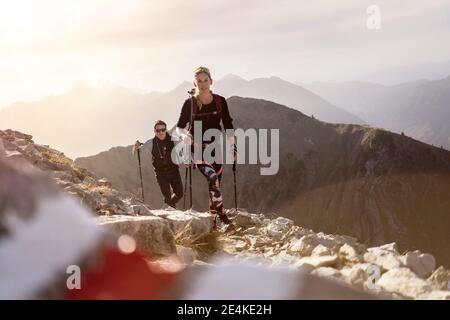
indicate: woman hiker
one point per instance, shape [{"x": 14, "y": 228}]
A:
[{"x": 210, "y": 109}]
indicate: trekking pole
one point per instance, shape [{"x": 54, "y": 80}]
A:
[
  {"x": 234, "y": 177},
  {"x": 191, "y": 93},
  {"x": 185, "y": 188},
  {"x": 140, "y": 170},
  {"x": 234, "y": 173},
  {"x": 190, "y": 186}
]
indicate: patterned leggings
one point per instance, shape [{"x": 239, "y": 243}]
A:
[{"x": 213, "y": 173}]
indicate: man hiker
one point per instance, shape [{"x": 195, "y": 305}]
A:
[{"x": 166, "y": 172}]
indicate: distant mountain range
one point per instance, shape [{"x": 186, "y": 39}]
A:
[
  {"x": 420, "y": 109},
  {"x": 431, "y": 70},
  {"x": 286, "y": 93},
  {"x": 90, "y": 119}
]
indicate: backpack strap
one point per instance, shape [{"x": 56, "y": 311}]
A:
[
  {"x": 218, "y": 101},
  {"x": 154, "y": 148},
  {"x": 194, "y": 109},
  {"x": 192, "y": 113}
]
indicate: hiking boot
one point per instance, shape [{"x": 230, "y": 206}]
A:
[
  {"x": 167, "y": 206},
  {"x": 224, "y": 218}
]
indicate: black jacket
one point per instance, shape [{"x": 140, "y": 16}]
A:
[{"x": 160, "y": 151}]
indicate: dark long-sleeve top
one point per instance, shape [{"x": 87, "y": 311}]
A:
[{"x": 209, "y": 121}]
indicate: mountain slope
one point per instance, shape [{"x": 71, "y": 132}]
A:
[{"x": 369, "y": 183}]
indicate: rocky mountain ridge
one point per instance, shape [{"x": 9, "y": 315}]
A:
[{"x": 264, "y": 239}]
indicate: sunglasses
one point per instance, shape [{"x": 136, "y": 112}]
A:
[{"x": 160, "y": 130}]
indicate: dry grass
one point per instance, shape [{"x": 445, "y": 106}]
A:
[
  {"x": 101, "y": 190},
  {"x": 65, "y": 162}
]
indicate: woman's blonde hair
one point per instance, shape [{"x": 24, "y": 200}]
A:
[{"x": 196, "y": 72}]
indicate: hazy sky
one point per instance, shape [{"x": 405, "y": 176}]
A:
[{"x": 47, "y": 45}]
